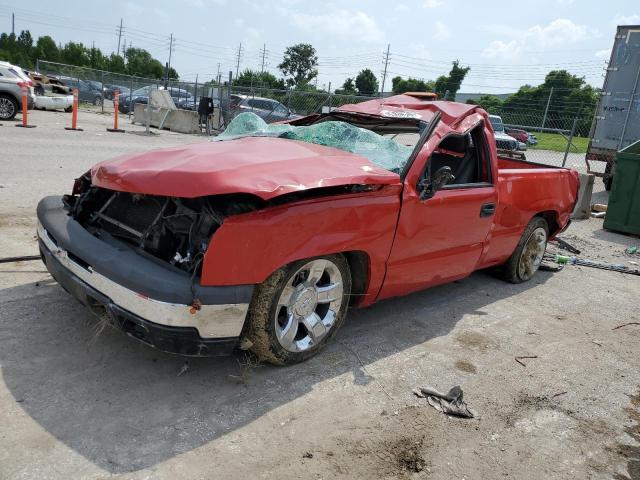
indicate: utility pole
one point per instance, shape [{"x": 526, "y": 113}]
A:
[
  {"x": 264, "y": 52},
  {"x": 124, "y": 48},
  {"x": 13, "y": 24},
  {"x": 238, "y": 63},
  {"x": 170, "y": 50},
  {"x": 386, "y": 64},
  {"x": 546, "y": 109},
  {"x": 218, "y": 71},
  {"x": 119, "y": 36}
]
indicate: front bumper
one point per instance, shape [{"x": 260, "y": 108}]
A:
[{"x": 151, "y": 302}]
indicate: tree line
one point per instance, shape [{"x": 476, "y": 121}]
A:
[
  {"x": 299, "y": 68},
  {"x": 22, "y": 50}
]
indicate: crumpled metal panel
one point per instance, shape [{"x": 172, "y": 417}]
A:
[{"x": 261, "y": 166}]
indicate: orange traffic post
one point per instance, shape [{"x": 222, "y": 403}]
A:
[
  {"x": 116, "y": 104},
  {"x": 24, "y": 87},
  {"x": 74, "y": 113}
]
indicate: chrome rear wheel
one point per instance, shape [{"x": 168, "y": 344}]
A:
[{"x": 532, "y": 253}]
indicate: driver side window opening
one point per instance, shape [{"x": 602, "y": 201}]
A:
[{"x": 468, "y": 157}]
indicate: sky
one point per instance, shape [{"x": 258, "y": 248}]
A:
[{"x": 506, "y": 44}]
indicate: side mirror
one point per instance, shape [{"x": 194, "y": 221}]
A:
[{"x": 429, "y": 186}]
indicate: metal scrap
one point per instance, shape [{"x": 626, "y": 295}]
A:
[{"x": 451, "y": 403}]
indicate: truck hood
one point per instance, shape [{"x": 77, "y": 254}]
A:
[{"x": 263, "y": 166}]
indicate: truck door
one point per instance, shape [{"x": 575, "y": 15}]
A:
[{"x": 440, "y": 239}]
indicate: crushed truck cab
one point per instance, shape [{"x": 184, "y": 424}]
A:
[{"x": 266, "y": 235}]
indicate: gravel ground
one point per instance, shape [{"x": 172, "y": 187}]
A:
[{"x": 74, "y": 404}]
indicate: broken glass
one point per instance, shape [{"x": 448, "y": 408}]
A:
[{"x": 380, "y": 150}]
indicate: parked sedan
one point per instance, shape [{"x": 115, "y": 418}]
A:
[
  {"x": 88, "y": 91},
  {"x": 12, "y": 79},
  {"x": 517, "y": 133},
  {"x": 266, "y": 108},
  {"x": 109, "y": 91}
]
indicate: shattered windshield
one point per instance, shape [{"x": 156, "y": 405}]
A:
[{"x": 381, "y": 150}]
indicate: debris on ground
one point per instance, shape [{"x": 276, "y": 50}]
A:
[
  {"x": 184, "y": 368},
  {"x": 307, "y": 455},
  {"x": 625, "y": 325},
  {"x": 598, "y": 214},
  {"x": 27, "y": 258},
  {"x": 451, "y": 403},
  {"x": 564, "y": 245},
  {"x": 614, "y": 267},
  {"x": 598, "y": 207},
  {"x": 519, "y": 359},
  {"x": 631, "y": 250}
]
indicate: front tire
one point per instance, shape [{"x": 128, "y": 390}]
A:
[
  {"x": 298, "y": 309},
  {"x": 526, "y": 258}
]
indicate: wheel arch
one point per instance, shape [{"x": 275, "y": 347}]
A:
[
  {"x": 359, "y": 265},
  {"x": 551, "y": 217}
]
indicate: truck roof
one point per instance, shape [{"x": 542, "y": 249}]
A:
[{"x": 408, "y": 106}]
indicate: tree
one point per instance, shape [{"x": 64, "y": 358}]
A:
[
  {"x": 401, "y": 85},
  {"x": 46, "y": 49},
  {"x": 141, "y": 63},
  {"x": 490, "y": 103},
  {"x": 75, "y": 54},
  {"x": 446, "y": 87},
  {"x": 299, "y": 63},
  {"x": 251, "y": 78},
  {"x": 366, "y": 82},
  {"x": 348, "y": 87}
]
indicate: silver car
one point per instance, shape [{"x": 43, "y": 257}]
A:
[{"x": 12, "y": 79}]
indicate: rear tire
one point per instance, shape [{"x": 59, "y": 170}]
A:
[
  {"x": 308, "y": 293},
  {"x": 8, "y": 107},
  {"x": 527, "y": 256}
]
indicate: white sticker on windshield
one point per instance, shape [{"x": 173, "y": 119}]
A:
[{"x": 399, "y": 114}]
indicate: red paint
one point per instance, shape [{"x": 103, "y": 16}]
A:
[
  {"x": 266, "y": 167},
  {"x": 411, "y": 243}
]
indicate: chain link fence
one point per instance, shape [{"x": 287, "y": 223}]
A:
[{"x": 554, "y": 131}]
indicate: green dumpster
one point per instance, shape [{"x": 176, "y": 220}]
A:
[{"x": 623, "y": 212}]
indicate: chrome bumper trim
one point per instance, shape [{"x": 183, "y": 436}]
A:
[{"x": 211, "y": 321}]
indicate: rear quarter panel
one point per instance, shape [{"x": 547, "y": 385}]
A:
[
  {"x": 248, "y": 248},
  {"x": 523, "y": 193}
]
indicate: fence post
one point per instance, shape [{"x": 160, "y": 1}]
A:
[
  {"x": 102, "y": 84},
  {"x": 573, "y": 131},
  {"x": 130, "y": 96},
  {"x": 329, "y": 97},
  {"x": 546, "y": 110}
]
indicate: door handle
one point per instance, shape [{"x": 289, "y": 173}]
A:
[{"x": 488, "y": 209}]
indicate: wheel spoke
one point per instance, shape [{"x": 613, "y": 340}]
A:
[
  {"x": 315, "y": 327},
  {"x": 329, "y": 293},
  {"x": 285, "y": 296},
  {"x": 315, "y": 271},
  {"x": 288, "y": 333}
]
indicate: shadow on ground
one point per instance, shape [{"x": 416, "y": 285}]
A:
[{"x": 123, "y": 406}]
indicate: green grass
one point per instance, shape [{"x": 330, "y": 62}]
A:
[{"x": 558, "y": 143}]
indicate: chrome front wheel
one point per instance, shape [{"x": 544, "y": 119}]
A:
[
  {"x": 297, "y": 310},
  {"x": 308, "y": 305}
]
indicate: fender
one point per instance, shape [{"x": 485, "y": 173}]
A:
[{"x": 247, "y": 248}]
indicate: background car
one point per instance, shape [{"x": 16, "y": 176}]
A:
[
  {"x": 89, "y": 91},
  {"x": 503, "y": 141},
  {"x": 517, "y": 133},
  {"x": 268, "y": 109},
  {"x": 12, "y": 79},
  {"x": 109, "y": 90},
  {"x": 181, "y": 98}
]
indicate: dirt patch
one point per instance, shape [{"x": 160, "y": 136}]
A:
[
  {"x": 465, "y": 366},
  {"x": 631, "y": 453},
  {"x": 475, "y": 341},
  {"x": 408, "y": 454}
]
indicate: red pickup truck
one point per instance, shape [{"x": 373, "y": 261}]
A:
[{"x": 262, "y": 238}]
